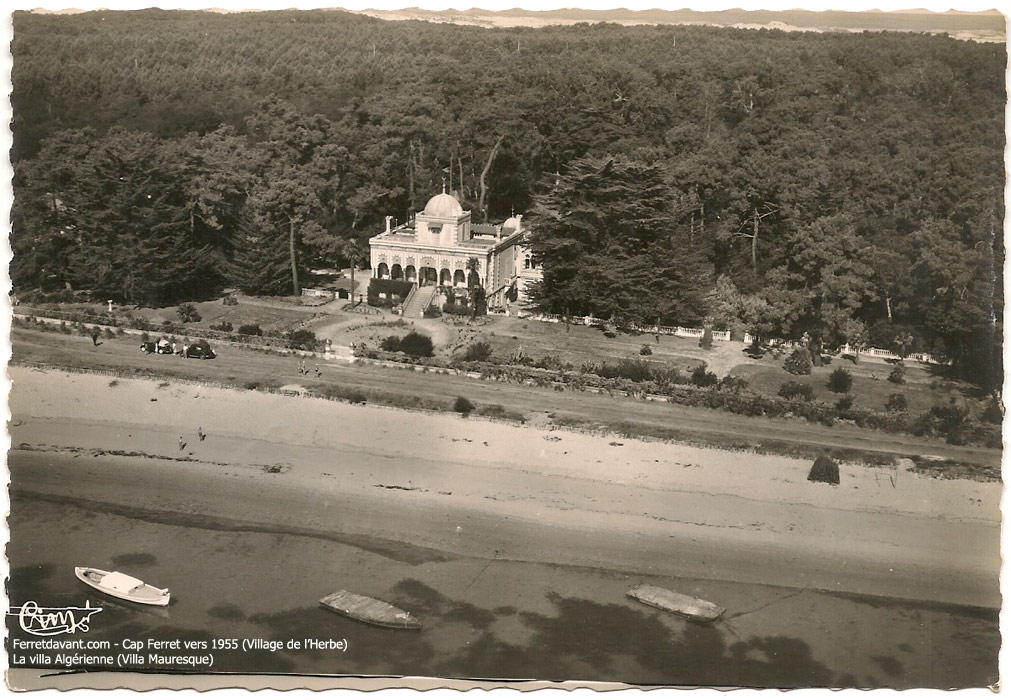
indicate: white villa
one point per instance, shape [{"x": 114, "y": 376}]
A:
[{"x": 434, "y": 251}]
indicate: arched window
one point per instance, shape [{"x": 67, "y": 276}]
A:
[{"x": 526, "y": 262}]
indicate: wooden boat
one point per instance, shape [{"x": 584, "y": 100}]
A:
[
  {"x": 370, "y": 610},
  {"x": 679, "y": 603},
  {"x": 122, "y": 586}
]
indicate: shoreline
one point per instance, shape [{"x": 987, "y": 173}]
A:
[
  {"x": 386, "y": 549},
  {"x": 986, "y": 466},
  {"x": 491, "y": 619},
  {"x": 474, "y": 488}
]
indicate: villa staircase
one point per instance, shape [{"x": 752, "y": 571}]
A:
[{"x": 419, "y": 300}]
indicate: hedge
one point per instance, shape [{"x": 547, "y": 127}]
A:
[{"x": 391, "y": 288}]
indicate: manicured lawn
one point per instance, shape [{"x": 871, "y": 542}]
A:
[
  {"x": 581, "y": 344},
  {"x": 278, "y": 316},
  {"x": 268, "y": 318}
]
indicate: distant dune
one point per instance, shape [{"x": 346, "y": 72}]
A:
[{"x": 975, "y": 26}]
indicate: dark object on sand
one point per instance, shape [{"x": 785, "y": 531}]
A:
[
  {"x": 370, "y": 610},
  {"x": 678, "y": 603},
  {"x": 825, "y": 470}
]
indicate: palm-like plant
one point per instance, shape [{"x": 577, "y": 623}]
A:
[{"x": 473, "y": 265}]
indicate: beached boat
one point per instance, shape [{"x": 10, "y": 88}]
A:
[
  {"x": 370, "y": 610},
  {"x": 679, "y": 603},
  {"x": 122, "y": 586}
]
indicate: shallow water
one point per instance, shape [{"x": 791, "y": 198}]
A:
[{"x": 482, "y": 618}]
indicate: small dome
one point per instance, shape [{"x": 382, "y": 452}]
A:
[
  {"x": 443, "y": 206},
  {"x": 512, "y": 222}
]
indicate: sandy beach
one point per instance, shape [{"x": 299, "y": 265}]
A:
[{"x": 461, "y": 498}]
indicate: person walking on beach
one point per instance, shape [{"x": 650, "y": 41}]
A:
[
  {"x": 94, "y": 336},
  {"x": 318, "y": 373},
  {"x": 200, "y": 433},
  {"x": 182, "y": 444}
]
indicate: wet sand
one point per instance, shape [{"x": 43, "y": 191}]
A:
[{"x": 515, "y": 544}]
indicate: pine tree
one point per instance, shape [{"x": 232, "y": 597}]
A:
[{"x": 604, "y": 234}]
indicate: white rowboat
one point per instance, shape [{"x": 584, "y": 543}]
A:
[
  {"x": 370, "y": 610},
  {"x": 679, "y": 603},
  {"x": 122, "y": 586}
]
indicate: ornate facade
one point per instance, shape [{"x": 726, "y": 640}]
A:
[{"x": 443, "y": 248}]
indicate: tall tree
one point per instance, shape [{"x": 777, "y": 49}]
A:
[
  {"x": 823, "y": 284},
  {"x": 292, "y": 195},
  {"x": 604, "y": 233}
]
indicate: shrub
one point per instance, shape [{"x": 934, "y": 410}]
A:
[
  {"x": 799, "y": 361},
  {"x": 898, "y": 374},
  {"x": 382, "y": 292},
  {"x": 480, "y": 301},
  {"x": 301, "y": 340},
  {"x": 250, "y": 329},
  {"x": 701, "y": 376},
  {"x": 840, "y": 381},
  {"x": 477, "y": 352},
  {"x": 390, "y": 343},
  {"x": 993, "y": 412},
  {"x": 896, "y": 403},
  {"x": 952, "y": 418},
  {"x": 463, "y": 405},
  {"x": 416, "y": 345},
  {"x": 645, "y": 350},
  {"x": 224, "y": 327},
  {"x": 734, "y": 384},
  {"x": 355, "y": 396},
  {"x": 667, "y": 377},
  {"x": 824, "y": 470},
  {"x": 549, "y": 362},
  {"x": 844, "y": 404},
  {"x": 635, "y": 370},
  {"x": 797, "y": 390},
  {"x": 706, "y": 341},
  {"x": 339, "y": 392},
  {"x": 188, "y": 313}
]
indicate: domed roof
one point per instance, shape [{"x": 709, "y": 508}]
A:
[
  {"x": 443, "y": 206},
  {"x": 512, "y": 222}
]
